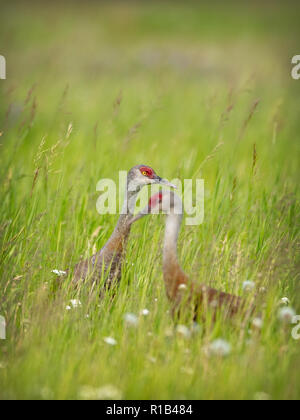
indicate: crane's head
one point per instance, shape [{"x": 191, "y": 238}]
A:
[
  {"x": 167, "y": 202},
  {"x": 142, "y": 175}
]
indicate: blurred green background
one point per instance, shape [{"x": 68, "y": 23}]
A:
[{"x": 194, "y": 89}]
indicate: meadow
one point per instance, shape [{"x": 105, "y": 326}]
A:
[{"x": 195, "y": 90}]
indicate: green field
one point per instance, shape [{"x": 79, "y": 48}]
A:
[{"x": 196, "y": 90}]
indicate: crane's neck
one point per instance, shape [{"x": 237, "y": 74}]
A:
[
  {"x": 119, "y": 237},
  {"x": 124, "y": 222},
  {"x": 173, "y": 223},
  {"x": 173, "y": 274}
]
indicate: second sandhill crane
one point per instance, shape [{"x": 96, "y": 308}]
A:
[
  {"x": 108, "y": 261},
  {"x": 181, "y": 291}
]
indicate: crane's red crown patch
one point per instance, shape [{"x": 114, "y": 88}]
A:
[
  {"x": 155, "y": 199},
  {"x": 147, "y": 171}
]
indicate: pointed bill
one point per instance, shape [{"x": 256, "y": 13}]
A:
[{"x": 165, "y": 182}]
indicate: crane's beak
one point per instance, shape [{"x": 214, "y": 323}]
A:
[{"x": 164, "y": 182}]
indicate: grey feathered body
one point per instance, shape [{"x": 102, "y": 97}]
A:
[{"x": 107, "y": 262}]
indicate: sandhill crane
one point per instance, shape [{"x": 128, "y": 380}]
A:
[
  {"x": 181, "y": 291},
  {"x": 107, "y": 262}
]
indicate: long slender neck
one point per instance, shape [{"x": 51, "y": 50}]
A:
[
  {"x": 127, "y": 211},
  {"x": 121, "y": 232},
  {"x": 173, "y": 274},
  {"x": 173, "y": 223}
]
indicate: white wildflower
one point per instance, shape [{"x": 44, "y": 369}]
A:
[
  {"x": 183, "y": 330},
  {"x": 219, "y": 347},
  {"x": 68, "y": 308},
  {"x": 59, "y": 272},
  {"x": 75, "y": 303},
  {"x": 182, "y": 286},
  {"x": 131, "y": 320},
  {"x": 286, "y": 314},
  {"x": 107, "y": 392},
  {"x": 110, "y": 340},
  {"x": 145, "y": 312},
  {"x": 284, "y": 300},
  {"x": 248, "y": 285}
]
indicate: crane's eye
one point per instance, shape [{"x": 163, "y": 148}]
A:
[{"x": 146, "y": 172}]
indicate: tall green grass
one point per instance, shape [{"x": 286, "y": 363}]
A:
[{"x": 110, "y": 87}]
